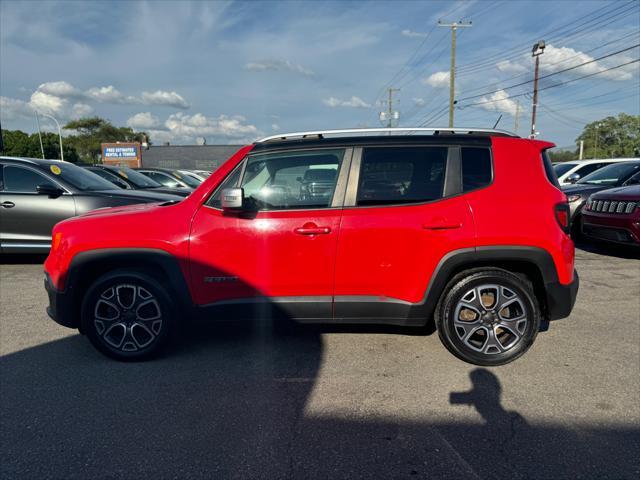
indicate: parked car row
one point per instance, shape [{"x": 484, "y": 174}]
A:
[
  {"x": 36, "y": 194},
  {"x": 604, "y": 204},
  {"x": 570, "y": 172}
]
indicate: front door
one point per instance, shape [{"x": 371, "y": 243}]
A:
[
  {"x": 397, "y": 224},
  {"x": 26, "y": 217},
  {"x": 281, "y": 248}
]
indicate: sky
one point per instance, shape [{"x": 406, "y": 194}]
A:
[{"x": 231, "y": 72}]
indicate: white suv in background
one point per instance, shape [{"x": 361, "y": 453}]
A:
[{"x": 571, "y": 172}]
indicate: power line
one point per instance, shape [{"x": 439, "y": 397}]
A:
[
  {"x": 551, "y": 74},
  {"x": 556, "y": 85}
]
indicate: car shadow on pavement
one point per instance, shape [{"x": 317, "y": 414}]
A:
[
  {"x": 232, "y": 401},
  {"x": 608, "y": 249}
]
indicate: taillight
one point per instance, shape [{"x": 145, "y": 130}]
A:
[{"x": 563, "y": 216}]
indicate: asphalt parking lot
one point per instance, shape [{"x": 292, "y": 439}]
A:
[{"x": 251, "y": 401}]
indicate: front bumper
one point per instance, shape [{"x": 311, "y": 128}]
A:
[
  {"x": 561, "y": 298},
  {"x": 612, "y": 228},
  {"x": 60, "y": 307}
]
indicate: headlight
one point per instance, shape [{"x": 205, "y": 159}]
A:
[{"x": 573, "y": 198}]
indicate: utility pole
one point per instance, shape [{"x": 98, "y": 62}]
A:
[
  {"x": 581, "y": 149},
  {"x": 517, "y": 119},
  {"x": 452, "y": 72},
  {"x": 538, "y": 49},
  {"x": 39, "y": 134},
  {"x": 390, "y": 115}
]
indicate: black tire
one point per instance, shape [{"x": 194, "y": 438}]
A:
[
  {"x": 464, "y": 337},
  {"x": 144, "y": 336}
]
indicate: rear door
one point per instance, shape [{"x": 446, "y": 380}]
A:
[
  {"x": 282, "y": 248},
  {"x": 397, "y": 224},
  {"x": 26, "y": 217}
]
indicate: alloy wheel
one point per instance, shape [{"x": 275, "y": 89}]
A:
[
  {"x": 127, "y": 317},
  {"x": 490, "y": 319}
]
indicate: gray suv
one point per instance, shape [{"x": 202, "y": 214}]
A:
[{"x": 36, "y": 194}]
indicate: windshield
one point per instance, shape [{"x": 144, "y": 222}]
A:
[
  {"x": 562, "y": 168},
  {"x": 77, "y": 177},
  {"x": 136, "y": 178},
  {"x": 611, "y": 174},
  {"x": 188, "y": 179}
]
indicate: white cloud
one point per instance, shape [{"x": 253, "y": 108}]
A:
[
  {"x": 169, "y": 99},
  {"x": 143, "y": 121},
  {"x": 13, "y": 109},
  {"x": 437, "y": 80},
  {"x": 412, "y": 34},
  {"x": 418, "y": 102},
  {"x": 108, "y": 94},
  {"x": 278, "y": 65},
  {"x": 181, "y": 125},
  {"x": 60, "y": 89},
  {"x": 499, "y": 102},
  {"x": 275, "y": 127},
  {"x": 80, "y": 110},
  {"x": 555, "y": 59},
  {"x": 353, "y": 102},
  {"x": 510, "y": 67},
  {"x": 50, "y": 104}
]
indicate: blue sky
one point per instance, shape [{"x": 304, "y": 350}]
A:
[{"x": 233, "y": 71}]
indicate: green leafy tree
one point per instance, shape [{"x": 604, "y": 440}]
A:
[
  {"x": 612, "y": 137},
  {"x": 20, "y": 144},
  {"x": 94, "y": 131},
  {"x": 563, "y": 156}
]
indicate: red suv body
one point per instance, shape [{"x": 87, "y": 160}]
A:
[{"x": 413, "y": 228}]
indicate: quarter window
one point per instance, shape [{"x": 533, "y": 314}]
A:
[
  {"x": 476, "y": 168},
  {"x": 291, "y": 180},
  {"x": 23, "y": 180},
  {"x": 397, "y": 175}
]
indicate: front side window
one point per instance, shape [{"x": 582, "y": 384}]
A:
[
  {"x": 23, "y": 180},
  {"x": 291, "y": 180},
  {"x": 587, "y": 169},
  {"x": 476, "y": 168},
  {"x": 397, "y": 175},
  {"x": 230, "y": 182}
]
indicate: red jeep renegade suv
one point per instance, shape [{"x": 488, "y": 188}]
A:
[{"x": 467, "y": 228}]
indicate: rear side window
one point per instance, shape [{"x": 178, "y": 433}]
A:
[
  {"x": 22, "y": 180},
  {"x": 397, "y": 175},
  {"x": 548, "y": 169},
  {"x": 476, "y": 168}
]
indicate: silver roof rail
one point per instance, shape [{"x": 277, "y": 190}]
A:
[{"x": 358, "y": 131}]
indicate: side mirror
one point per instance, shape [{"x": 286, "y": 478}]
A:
[
  {"x": 50, "y": 190},
  {"x": 232, "y": 198},
  {"x": 573, "y": 178}
]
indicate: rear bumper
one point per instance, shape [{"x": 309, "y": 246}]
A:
[
  {"x": 60, "y": 307},
  {"x": 561, "y": 298}
]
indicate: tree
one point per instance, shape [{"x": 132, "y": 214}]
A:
[
  {"x": 563, "y": 155},
  {"x": 612, "y": 137},
  {"x": 20, "y": 144},
  {"x": 94, "y": 131}
]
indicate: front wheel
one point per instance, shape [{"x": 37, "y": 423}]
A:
[
  {"x": 488, "y": 317},
  {"x": 127, "y": 315}
]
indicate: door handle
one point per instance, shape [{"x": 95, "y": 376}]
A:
[
  {"x": 441, "y": 224},
  {"x": 312, "y": 229},
  {"x": 7, "y": 204}
]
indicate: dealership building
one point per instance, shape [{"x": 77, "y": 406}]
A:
[{"x": 195, "y": 157}]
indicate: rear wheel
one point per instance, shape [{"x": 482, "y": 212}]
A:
[
  {"x": 127, "y": 315},
  {"x": 488, "y": 317}
]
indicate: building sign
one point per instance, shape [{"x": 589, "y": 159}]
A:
[{"x": 124, "y": 154}]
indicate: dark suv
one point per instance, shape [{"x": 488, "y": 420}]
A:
[{"x": 411, "y": 229}]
